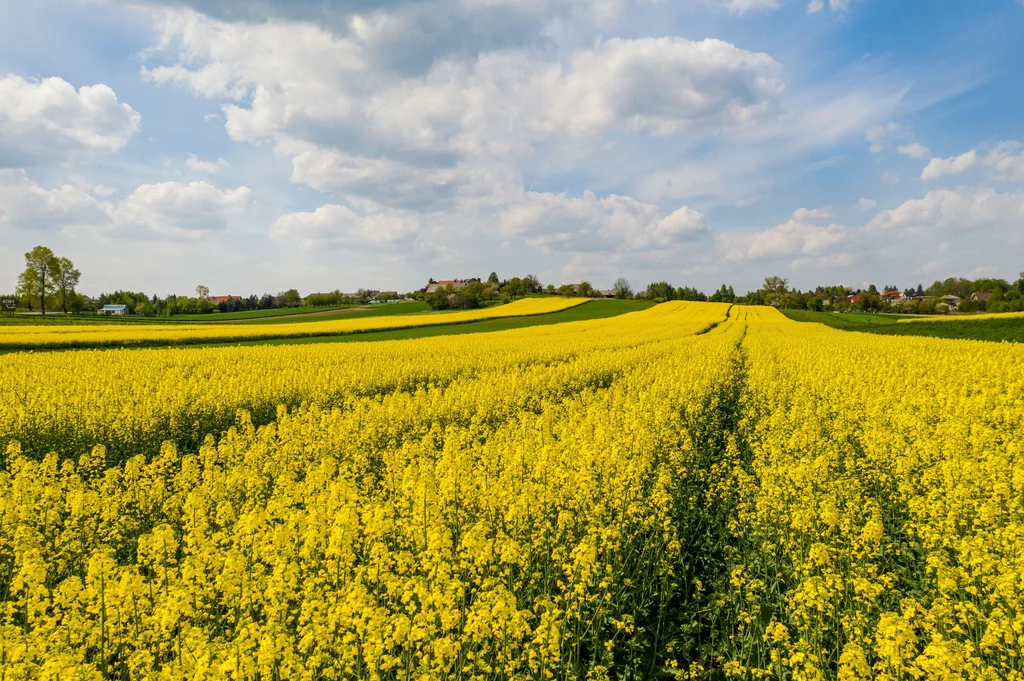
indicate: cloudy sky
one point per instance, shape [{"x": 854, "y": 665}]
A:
[{"x": 256, "y": 145}]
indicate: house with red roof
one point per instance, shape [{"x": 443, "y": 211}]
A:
[{"x": 435, "y": 286}]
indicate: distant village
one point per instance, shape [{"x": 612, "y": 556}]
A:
[{"x": 49, "y": 283}]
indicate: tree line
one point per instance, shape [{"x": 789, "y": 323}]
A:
[
  {"x": 1003, "y": 296},
  {"x": 49, "y": 282}
]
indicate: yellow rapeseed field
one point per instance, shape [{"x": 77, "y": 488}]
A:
[
  {"x": 106, "y": 335},
  {"x": 962, "y": 317},
  {"x": 692, "y": 491}
]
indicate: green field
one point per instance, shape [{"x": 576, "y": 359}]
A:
[
  {"x": 995, "y": 330},
  {"x": 275, "y": 316},
  {"x": 594, "y": 309},
  {"x": 250, "y": 314},
  {"x": 61, "y": 319}
]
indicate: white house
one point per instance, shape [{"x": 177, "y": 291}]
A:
[{"x": 113, "y": 310}]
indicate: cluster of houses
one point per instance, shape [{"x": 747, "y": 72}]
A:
[
  {"x": 435, "y": 286},
  {"x": 899, "y": 297}
]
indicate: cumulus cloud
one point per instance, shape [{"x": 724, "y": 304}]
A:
[
  {"x": 176, "y": 210},
  {"x": 400, "y": 32},
  {"x": 913, "y": 150},
  {"x": 302, "y": 80},
  {"x": 954, "y": 165},
  {"x": 200, "y": 166},
  {"x": 452, "y": 137},
  {"x": 24, "y": 204},
  {"x": 164, "y": 211},
  {"x": 958, "y": 210},
  {"x": 48, "y": 120},
  {"x": 815, "y": 6},
  {"x": 866, "y": 204},
  {"x": 1006, "y": 160},
  {"x": 744, "y": 6},
  {"x": 455, "y": 135},
  {"x": 338, "y": 226},
  {"x": 559, "y": 222},
  {"x": 800, "y": 237}
]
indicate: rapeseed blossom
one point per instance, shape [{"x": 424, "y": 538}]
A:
[{"x": 693, "y": 492}]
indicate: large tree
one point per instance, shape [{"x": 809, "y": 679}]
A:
[
  {"x": 65, "y": 280},
  {"x": 622, "y": 288},
  {"x": 37, "y": 281},
  {"x": 774, "y": 290}
]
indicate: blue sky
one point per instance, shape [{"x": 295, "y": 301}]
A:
[{"x": 256, "y": 146}]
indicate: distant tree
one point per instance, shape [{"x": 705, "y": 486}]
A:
[
  {"x": 872, "y": 289},
  {"x": 585, "y": 290},
  {"x": 36, "y": 283},
  {"x": 492, "y": 279},
  {"x": 75, "y": 302},
  {"x": 774, "y": 290},
  {"x": 291, "y": 298},
  {"x": 688, "y": 293},
  {"x": 451, "y": 298},
  {"x": 622, "y": 288},
  {"x": 65, "y": 279},
  {"x": 660, "y": 290},
  {"x": 531, "y": 284},
  {"x": 567, "y": 290},
  {"x": 512, "y": 288},
  {"x": 723, "y": 295},
  {"x": 870, "y": 301},
  {"x": 1020, "y": 284},
  {"x": 550, "y": 289},
  {"x": 202, "y": 291}
]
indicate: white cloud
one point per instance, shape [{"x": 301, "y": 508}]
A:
[
  {"x": 1006, "y": 159},
  {"x": 48, "y": 120},
  {"x": 558, "y": 222},
  {"x": 168, "y": 210},
  {"x": 200, "y": 166},
  {"x": 175, "y": 210},
  {"x": 913, "y": 150},
  {"x": 744, "y": 6},
  {"x": 812, "y": 214},
  {"x": 954, "y": 210},
  {"x": 954, "y": 165},
  {"x": 337, "y": 226},
  {"x": 799, "y": 237},
  {"x": 866, "y": 204},
  {"x": 26, "y": 205},
  {"x": 314, "y": 85},
  {"x": 815, "y": 6}
]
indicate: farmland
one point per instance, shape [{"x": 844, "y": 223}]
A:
[
  {"x": 107, "y": 335},
  {"x": 995, "y": 328},
  {"x": 693, "y": 490}
]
